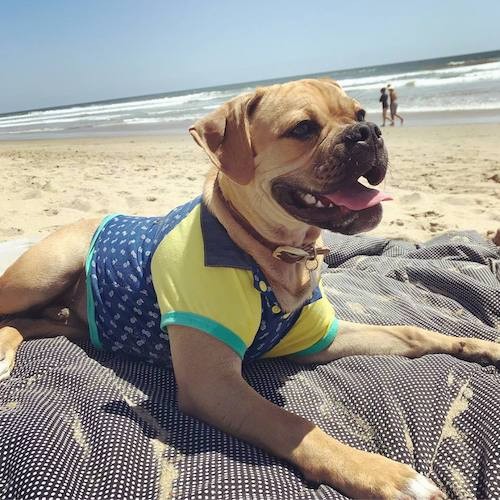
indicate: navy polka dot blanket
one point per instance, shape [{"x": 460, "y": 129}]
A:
[{"x": 80, "y": 424}]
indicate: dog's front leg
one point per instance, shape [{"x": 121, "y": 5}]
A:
[
  {"x": 210, "y": 387},
  {"x": 411, "y": 341}
]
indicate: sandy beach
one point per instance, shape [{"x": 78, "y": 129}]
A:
[{"x": 442, "y": 178}]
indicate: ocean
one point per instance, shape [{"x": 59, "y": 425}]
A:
[{"x": 459, "y": 89}]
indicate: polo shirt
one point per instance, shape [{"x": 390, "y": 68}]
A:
[{"x": 145, "y": 274}]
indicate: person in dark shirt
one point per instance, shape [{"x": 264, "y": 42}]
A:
[{"x": 385, "y": 106}]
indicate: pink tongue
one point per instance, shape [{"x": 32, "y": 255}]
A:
[{"x": 357, "y": 197}]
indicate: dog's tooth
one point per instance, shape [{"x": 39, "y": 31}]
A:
[
  {"x": 309, "y": 199},
  {"x": 319, "y": 204}
]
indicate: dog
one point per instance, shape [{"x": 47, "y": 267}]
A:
[{"x": 193, "y": 288}]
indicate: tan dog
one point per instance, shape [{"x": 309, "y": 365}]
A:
[{"x": 287, "y": 163}]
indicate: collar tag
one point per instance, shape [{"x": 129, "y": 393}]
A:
[
  {"x": 285, "y": 253},
  {"x": 293, "y": 255}
]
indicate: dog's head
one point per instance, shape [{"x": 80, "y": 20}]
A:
[{"x": 298, "y": 150}]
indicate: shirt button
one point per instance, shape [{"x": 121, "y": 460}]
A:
[
  {"x": 263, "y": 286},
  {"x": 276, "y": 309}
]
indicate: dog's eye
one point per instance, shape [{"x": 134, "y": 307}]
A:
[
  {"x": 360, "y": 115},
  {"x": 303, "y": 130}
]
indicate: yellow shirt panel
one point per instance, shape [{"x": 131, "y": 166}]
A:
[
  {"x": 314, "y": 330},
  {"x": 207, "y": 298}
]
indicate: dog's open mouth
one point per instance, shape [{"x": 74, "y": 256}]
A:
[
  {"x": 354, "y": 196},
  {"x": 351, "y": 207}
]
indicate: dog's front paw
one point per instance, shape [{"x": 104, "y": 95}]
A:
[
  {"x": 393, "y": 480},
  {"x": 419, "y": 487},
  {"x": 484, "y": 352},
  {"x": 10, "y": 340},
  {"x": 368, "y": 475},
  {"x": 6, "y": 364}
]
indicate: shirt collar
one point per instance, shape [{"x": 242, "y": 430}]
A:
[{"x": 220, "y": 249}]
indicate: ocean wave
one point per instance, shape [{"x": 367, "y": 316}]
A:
[
  {"x": 195, "y": 109},
  {"x": 94, "y": 110},
  {"x": 491, "y": 75},
  {"x": 490, "y": 71},
  {"x": 141, "y": 121},
  {"x": 26, "y": 123},
  {"x": 35, "y": 131}
]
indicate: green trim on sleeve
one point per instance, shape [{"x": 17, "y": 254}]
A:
[
  {"x": 94, "y": 334},
  {"x": 323, "y": 343},
  {"x": 206, "y": 325}
]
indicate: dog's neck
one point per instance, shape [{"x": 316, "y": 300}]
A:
[
  {"x": 307, "y": 252},
  {"x": 292, "y": 282}
]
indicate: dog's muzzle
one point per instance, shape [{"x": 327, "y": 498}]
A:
[
  {"x": 358, "y": 151},
  {"x": 332, "y": 197}
]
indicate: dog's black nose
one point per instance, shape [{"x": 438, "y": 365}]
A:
[{"x": 362, "y": 132}]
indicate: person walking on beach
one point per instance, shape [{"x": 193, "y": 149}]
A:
[
  {"x": 394, "y": 105},
  {"x": 385, "y": 106}
]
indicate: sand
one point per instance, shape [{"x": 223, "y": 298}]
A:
[{"x": 442, "y": 178}]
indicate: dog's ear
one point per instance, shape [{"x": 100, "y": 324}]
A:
[{"x": 225, "y": 136}]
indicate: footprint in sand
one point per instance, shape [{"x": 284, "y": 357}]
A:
[
  {"x": 426, "y": 215},
  {"x": 78, "y": 204},
  {"x": 133, "y": 201},
  {"x": 453, "y": 200},
  {"x": 397, "y": 222},
  {"x": 410, "y": 198},
  {"x": 435, "y": 227},
  {"x": 32, "y": 194},
  {"x": 51, "y": 211}
]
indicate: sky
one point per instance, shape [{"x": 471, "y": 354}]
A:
[{"x": 56, "y": 52}]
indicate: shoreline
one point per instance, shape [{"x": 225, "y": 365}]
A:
[{"x": 442, "y": 178}]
